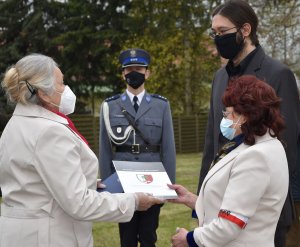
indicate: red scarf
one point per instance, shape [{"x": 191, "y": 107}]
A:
[{"x": 71, "y": 125}]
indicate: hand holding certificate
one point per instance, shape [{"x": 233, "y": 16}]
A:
[
  {"x": 145, "y": 201},
  {"x": 111, "y": 184},
  {"x": 147, "y": 177}
]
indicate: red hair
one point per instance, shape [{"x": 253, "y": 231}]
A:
[{"x": 258, "y": 102}]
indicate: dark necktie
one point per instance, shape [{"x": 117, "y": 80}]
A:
[{"x": 135, "y": 105}]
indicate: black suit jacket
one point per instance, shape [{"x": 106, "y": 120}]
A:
[{"x": 281, "y": 78}]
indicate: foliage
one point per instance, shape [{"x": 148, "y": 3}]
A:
[
  {"x": 86, "y": 36},
  {"x": 279, "y": 30},
  {"x": 175, "y": 35},
  {"x": 90, "y": 34},
  {"x": 82, "y": 36},
  {"x": 25, "y": 27}
]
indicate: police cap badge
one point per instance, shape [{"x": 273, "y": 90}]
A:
[{"x": 134, "y": 57}]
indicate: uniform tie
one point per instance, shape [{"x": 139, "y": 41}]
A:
[{"x": 135, "y": 105}]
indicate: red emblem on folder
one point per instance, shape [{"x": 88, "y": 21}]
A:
[{"x": 145, "y": 178}]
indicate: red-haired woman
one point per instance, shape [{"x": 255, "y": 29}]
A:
[{"x": 243, "y": 193}]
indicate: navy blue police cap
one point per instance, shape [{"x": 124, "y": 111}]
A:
[{"x": 134, "y": 57}]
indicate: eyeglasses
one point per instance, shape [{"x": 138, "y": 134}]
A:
[
  {"x": 226, "y": 113},
  {"x": 213, "y": 34}
]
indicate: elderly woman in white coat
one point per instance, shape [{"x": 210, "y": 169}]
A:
[
  {"x": 48, "y": 173},
  {"x": 243, "y": 193}
]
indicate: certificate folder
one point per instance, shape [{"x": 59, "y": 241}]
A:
[
  {"x": 147, "y": 177},
  {"x": 113, "y": 184}
]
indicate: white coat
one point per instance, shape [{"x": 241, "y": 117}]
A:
[
  {"x": 251, "y": 181},
  {"x": 48, "y": 180}
]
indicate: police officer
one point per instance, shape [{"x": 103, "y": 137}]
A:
[{"x": 137, "y": 126}]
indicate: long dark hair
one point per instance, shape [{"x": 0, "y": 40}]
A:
[{"x": 239, "y": 12}]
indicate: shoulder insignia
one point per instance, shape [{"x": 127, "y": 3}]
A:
[
  {"x": 112, "y": 98},
  {"x": 159, "y": 97}
]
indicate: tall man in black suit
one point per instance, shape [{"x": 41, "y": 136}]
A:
[{"x": 234, "y": 27}]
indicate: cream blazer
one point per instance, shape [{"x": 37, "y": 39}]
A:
[
  {"x": 48, "y": 180},
  {"x": 251, "y": 181}
]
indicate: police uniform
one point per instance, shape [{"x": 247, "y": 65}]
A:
[{"x": 145, "y": 135}]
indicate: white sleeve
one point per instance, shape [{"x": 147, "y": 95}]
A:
[
  {"x": 57, "y": 160},
  {"x": 217, "y": 233},
  {"x": 249, "y": 173}
]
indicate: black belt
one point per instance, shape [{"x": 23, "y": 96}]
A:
[{"x": 137, "y": 148}]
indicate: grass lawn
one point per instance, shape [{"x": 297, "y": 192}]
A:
[{"x": 171, "y": 216}]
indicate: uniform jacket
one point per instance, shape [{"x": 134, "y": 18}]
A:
[
  {"x": 283, "y": 81},
  {"x": 48, "y": 179},
  {"x": 251, "y": 181},
  {"x": 153, "y": 119}
]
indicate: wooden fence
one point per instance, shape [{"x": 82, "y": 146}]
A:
[{"x": 189, "y": 131}]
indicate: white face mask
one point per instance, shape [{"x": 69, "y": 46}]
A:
[{"x": 67, "y": 101}]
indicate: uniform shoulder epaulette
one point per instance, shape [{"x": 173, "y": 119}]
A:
[
  {"x": 112, "y": 98},
  {"x": 159, "y": 97}
]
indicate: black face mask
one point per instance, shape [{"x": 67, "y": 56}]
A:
[
  {"x": 228, "y": 46},
  {"x": 135, "y": 79}
]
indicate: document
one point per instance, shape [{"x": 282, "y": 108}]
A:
[
  {"x": 112, "y": 184},
  {"x": 147, "y": 177}
]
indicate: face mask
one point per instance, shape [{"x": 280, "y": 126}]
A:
[
  {"x": 225, "y": 128},
  {"x": 67, "y": 101},
  {"x": 227, "y": 45},
  {"x": 135, "y": 79}
]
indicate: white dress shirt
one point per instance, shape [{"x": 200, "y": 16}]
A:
[{"x": 140, "y": 96}]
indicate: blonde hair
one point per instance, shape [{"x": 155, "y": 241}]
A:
[{"x": 36, "y": 70}]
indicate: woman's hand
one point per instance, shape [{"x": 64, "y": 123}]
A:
[
  {"x": 179, "y": 239},
  {"x": 184, "y": 196},
  {"x": 145, "y": 201},
  {"x": 100, "y": 185}
]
